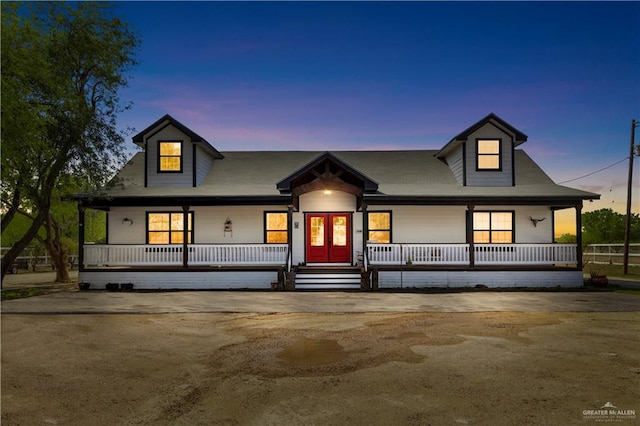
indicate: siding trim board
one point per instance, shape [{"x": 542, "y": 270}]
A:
[
  {"x": 464, "y": 164},
  {"x": 556, "y": 203},
  {"x": 193, "y": 160},
  {"x": 146, "y": 164}
]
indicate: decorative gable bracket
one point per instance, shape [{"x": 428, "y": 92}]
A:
[{"x": 327, "y": 173}]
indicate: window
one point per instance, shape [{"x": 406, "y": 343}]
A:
[
  {"x": 170, "y": 156},
  {"x": 275, "y": 225},
  {"x": 493, "y": 227},
  {"x": 379, "y": 227},
  {"x": 168, "y": 228},
  {"x": 488, "y": 152}
]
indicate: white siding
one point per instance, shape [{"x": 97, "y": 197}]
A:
[
  {"x": 337, "y": 201},
  {"x": 204, "y": 161},
  {"x": 212, "y": 280},
  {"x": 456, "y": 163},
  {"x": 247, "y": 223},
  {"x": 492, "y": 279},
  {"x": 125, "y": 233},
  {"x": 525, "y": 232},
  {"x": 169, "y": 179},
  {"x": 490, "y": 178},
  {"x": 411, "y": 224},
  {"x": 421, "y": 224}
]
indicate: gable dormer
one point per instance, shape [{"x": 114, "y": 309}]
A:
[
  {"x": 482, "y": 155},
  {"x": 174, "y": 154}
]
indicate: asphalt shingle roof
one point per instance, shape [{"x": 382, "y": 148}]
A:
[{"x": 399, "y": 173}]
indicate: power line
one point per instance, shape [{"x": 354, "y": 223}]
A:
[{"x": 597, "y": 171}]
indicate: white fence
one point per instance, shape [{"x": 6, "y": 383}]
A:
[
  {"x": 484, "y": 254},
  {"x": 611, "y": 254},
  {"x": 171, "y": 254},
  {"x": 29, "y": 260}
]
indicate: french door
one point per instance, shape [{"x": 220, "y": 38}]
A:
[{"x": 328, "y": 238}]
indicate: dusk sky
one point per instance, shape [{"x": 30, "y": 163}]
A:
[{"x": 406, "y": 75}]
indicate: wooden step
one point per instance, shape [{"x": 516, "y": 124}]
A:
[{"x": 328, "y": 278}]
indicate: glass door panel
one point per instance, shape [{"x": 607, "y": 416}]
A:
[{"x": 317, "y": 231}]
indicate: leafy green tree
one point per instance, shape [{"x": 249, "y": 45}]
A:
[
  {"x": 605, "y": 226},
  {"x": 566, "y": 239},
  {"x": 62, "y": 67}
]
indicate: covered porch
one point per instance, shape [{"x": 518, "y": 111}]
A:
[
  {"x": 473, "y": 254},
  {"x": 218, "y": 255}
]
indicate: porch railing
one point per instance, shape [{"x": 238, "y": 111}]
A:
[
  {"x": 418, "y": 254},
  {"x": 132, "y": 254},
  {"x": 171, "y": 254},
  {"x": 525, "y": 254},
  {"x": 238, "y": 254},
  {"x": 484, "y": 254}
]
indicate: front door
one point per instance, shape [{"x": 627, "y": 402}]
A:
[{"x": 328, "y": 238}]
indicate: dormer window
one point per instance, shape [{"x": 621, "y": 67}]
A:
[
  {"x": 170, "y": 156},
  {"x": 488, "y": 154}
]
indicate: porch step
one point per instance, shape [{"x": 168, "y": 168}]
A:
[{"x": 346, "y": 278}]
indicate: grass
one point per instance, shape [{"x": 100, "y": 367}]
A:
[
  {"x": 613, "y": 270},
  {"x": 634, "y": 291},
  {"x": 19, "y": 293}
]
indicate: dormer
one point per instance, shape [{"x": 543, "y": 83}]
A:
[
  {"x": 174, "y": 155},
  {"x": 482, "y": 155}
]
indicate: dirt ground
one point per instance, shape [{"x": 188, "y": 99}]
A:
[{"x": 319, "y": 369}]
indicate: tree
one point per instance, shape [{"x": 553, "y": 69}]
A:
[
  {"x": 566, "y": 239},
  {"x": 605, "y": 226},
  {"x": 62, "y": 67}
]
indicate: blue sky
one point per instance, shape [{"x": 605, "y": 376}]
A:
[{"x": 397, "y": 75}]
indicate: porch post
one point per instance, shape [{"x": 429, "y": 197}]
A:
[
  {"x": 289, "y": 234},
  {"x": 472, "y": 256},
  {"x": 365, "y": 233},
  {"x": 579, "y": 234},
  {"x": 185, "y": 237},
  {"x": 80, "y": 236}
]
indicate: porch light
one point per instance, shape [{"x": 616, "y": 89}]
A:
[
  {"x": 327, "y": 192},
  {"x": 127, "y": 220}
]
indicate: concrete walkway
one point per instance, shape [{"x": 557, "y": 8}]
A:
[{"x": 102, "y": 302}]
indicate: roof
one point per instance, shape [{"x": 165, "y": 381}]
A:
[
  {"x": 519, "y": 137},
  {"x": 166, "y": 120},
  {"x": 327, "y": 158},
  {"x": 408, "y": 175}
]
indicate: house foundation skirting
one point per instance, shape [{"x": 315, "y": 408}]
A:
[
  {"x": 222, "y": 279},
  {"x": 398, "y": 278},
  {"x": 389, "y": 277}
]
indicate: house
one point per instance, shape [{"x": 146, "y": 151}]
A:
[{"x": 479, "y": 211}]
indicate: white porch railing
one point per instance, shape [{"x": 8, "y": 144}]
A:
[
  {"x": 418, "y": 254},
  {"x": 525, "y": 254},
  {"x": 132, "y": 254},
  {"x": 171, "y": 254},
  {"x": 484, "y": 254},
  {"x": 238, "y": 254}
]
